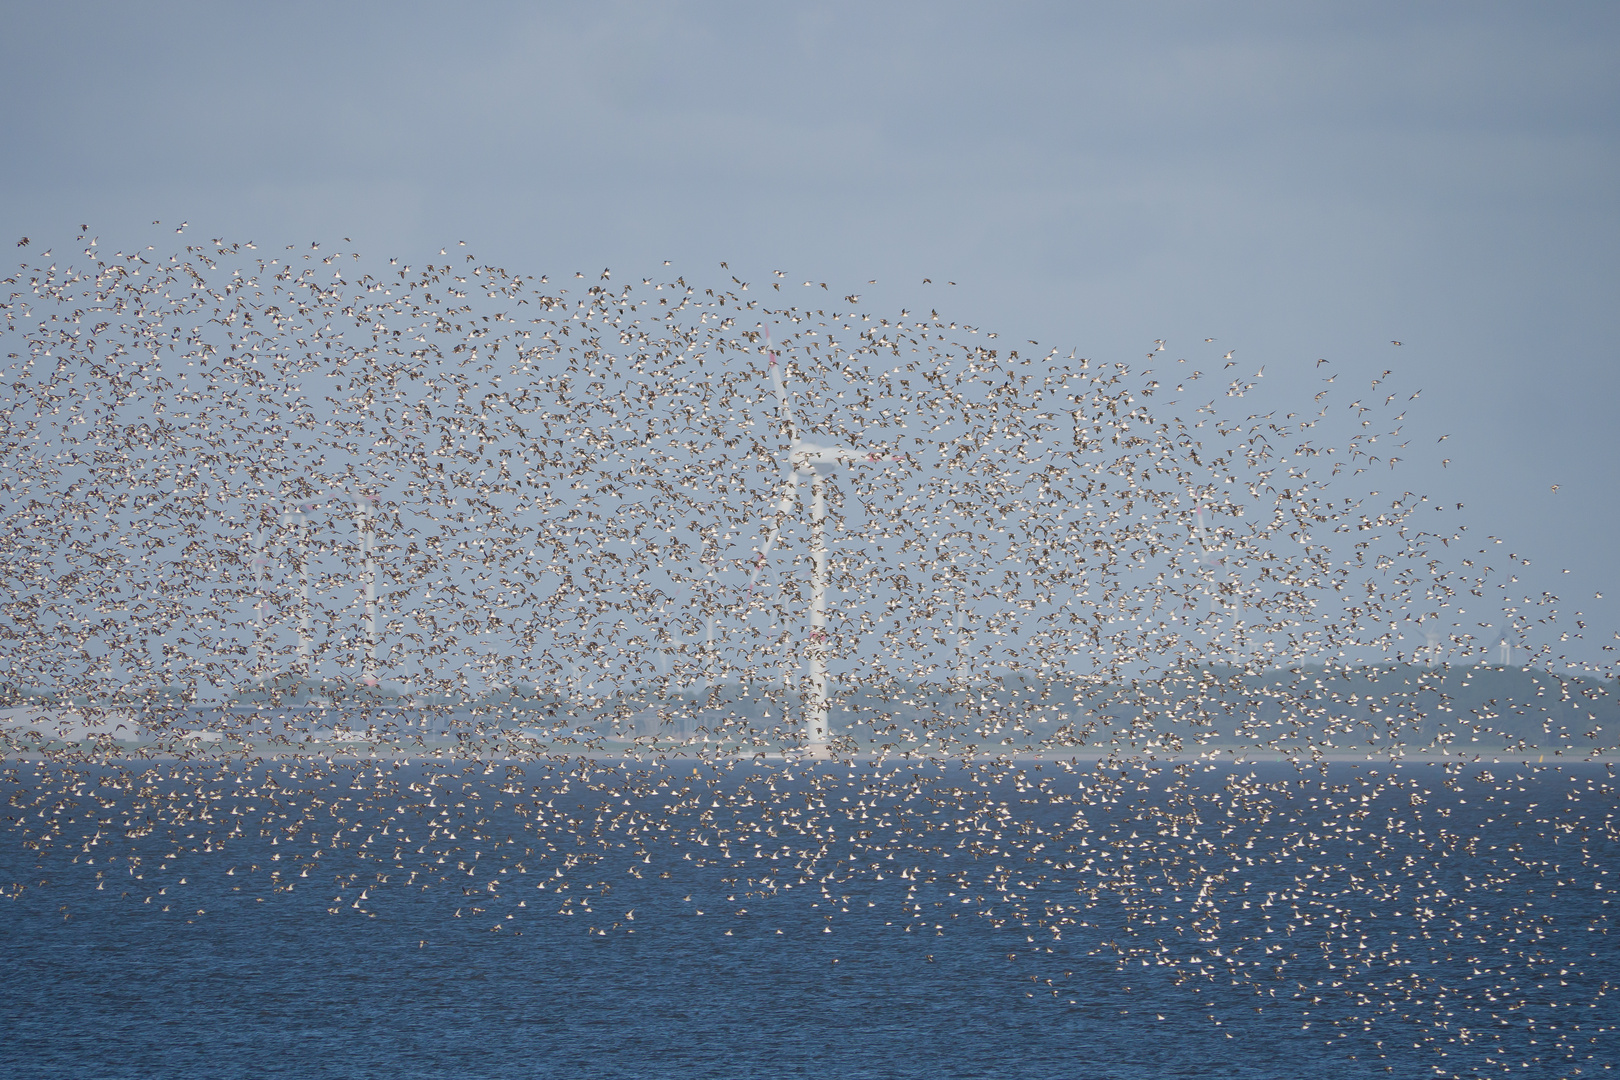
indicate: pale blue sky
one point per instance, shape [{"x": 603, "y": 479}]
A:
[{"x": 1297, "y": 181}]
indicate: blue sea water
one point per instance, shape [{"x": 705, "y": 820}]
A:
[{"x": 236, "y": 979}]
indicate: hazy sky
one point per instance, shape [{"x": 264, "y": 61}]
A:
[{"x": 1297, "y": 181}]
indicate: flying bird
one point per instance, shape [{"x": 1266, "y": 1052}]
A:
[{"x": 392, "y": 585}]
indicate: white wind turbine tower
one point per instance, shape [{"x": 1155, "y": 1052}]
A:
[
  {"x": 1206, "y": 556},
  {"x": 961, "y": 652},
  {"x": 709, "y": 654},
  {"x": 362, "y": 519},
  {"x": 807, "y": 459},
  {"x": 261, "y": 571},
  {"x": 304, "y": 633}
]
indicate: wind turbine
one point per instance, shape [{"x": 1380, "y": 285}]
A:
[
  {"x": 296, "y": 514},
  {"x": 666, "y": 668},
  {"x": 304, "y": 629},
  {"x": 961, "y": 652},
  {"x": 260, "y": 573},
  {"x": 815, "y": 462},
  {"x": 1206, "y": 557},
  {"x": 709, "y": 653},
  {"x": 261, "y": 570},
  {"x": 362, "y": 521}
]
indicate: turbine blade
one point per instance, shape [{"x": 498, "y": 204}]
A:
[
  {"x": 841, "y": 456},
  {"x": 784, "y": 508},
  {"x": 784, "y": 408}
]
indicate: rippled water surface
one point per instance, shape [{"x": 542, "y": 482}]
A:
[{"x": 704, "y": 973}]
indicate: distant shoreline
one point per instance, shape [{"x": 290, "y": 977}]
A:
[{"x": 212, "y": 752}]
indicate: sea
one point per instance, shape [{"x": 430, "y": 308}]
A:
[{"x": 1429, "y": 922}]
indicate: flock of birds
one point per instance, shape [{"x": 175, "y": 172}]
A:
[{"x": 501, "y": 584}]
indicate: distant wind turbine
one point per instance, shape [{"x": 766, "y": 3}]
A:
[
  {"x": 296, "y": 515},
  {"x": 362, "y": 519}
]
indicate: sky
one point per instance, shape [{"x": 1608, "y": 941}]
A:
[{"x": 1297, "y": 181}]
